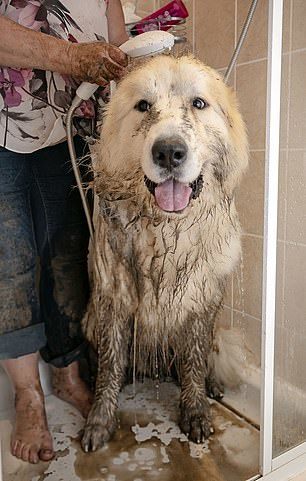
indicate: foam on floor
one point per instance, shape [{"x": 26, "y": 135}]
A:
[{"x": 147, "y": 446}]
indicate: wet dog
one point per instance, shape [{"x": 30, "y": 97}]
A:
[{"x": 172, "y": 151}]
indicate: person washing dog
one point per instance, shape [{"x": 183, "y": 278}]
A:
[{"x": 46, "y": 49}]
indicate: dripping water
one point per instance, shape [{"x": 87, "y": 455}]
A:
[
  {"x": 241, "y": 324},
  {"x": 241, "y": 290},
  {"x": 156, "y": 375},
  {"x": 134, "y": 355}
]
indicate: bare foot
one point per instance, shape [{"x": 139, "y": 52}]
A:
[
  {"x": 68, "y": 385},
  {"x": 31, "y": 439}
]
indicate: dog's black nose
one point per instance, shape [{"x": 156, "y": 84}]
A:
[{"x": 169, "y": 153}]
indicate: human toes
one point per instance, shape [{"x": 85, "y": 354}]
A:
[
  {"x": 16, "y": 449},
  {"x": 33, "y": 455},
  {"x": 46, "y": 454}
]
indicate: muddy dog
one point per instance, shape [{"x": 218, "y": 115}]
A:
[{"x": 172, "y": 151}]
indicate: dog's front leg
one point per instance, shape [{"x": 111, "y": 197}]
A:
[
  {"x": 195, "y": 418},
  {"x": 112, "y": 362}
]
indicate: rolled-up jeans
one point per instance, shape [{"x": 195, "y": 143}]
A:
[{"x": 44, "y": 237}]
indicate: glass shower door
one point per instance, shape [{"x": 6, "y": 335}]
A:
[
  {"x": 283, "y": 421},
  {"x": 289, "y": 420}
]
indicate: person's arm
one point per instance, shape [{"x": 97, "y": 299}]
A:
[
  {"x": 116, "y": 29},
  {"x": 95, "y": 62}
]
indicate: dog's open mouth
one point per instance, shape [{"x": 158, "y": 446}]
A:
[{"x": 172, "y": 195}]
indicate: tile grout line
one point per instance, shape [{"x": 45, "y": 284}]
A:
[{"x": 283, "y": 273}]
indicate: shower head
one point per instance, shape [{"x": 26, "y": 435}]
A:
[
  {"x": 144, "y": 45},
  {"x": 148, "y": 43}
]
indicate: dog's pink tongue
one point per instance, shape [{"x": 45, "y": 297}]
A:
[{"x": 172, "y": 196}]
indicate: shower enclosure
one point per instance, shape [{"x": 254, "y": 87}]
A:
[
  {"x": 283, "y": 353},
  {"x": 266, "y": 298},
  {"x": 283, "y": 417}
]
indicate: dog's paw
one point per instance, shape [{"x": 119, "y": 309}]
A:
[
  {"x": 98, "y": 430},
  {"x": 196, "y": 423},
  {"x": 214, "y": 389}
]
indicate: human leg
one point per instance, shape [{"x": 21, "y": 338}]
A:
[
  {"x": 21, "y": 330},
  {"x": 31, "y": 439},
  {"x": 62, "y": 238}
]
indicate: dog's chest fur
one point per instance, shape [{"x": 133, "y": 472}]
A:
[{"x": 162, "y": 271}]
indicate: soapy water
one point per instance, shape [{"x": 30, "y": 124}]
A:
[
  {"x": 163, "y": 410},
  {"x": 147, "y": 446}
]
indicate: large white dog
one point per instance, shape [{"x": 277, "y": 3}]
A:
[{"x": 172, "y": 151}]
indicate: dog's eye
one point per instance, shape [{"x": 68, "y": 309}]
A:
[
  {"x": 143, "y": 106},
  {"x": 199, "y": 103}
]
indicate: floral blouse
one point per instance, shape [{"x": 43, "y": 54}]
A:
[{"x": 33, "y": 103}]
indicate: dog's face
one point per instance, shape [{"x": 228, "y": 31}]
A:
[{"x": 176, "y": 122}]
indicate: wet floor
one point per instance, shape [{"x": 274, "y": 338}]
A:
[{"x": 148, "y": 445}]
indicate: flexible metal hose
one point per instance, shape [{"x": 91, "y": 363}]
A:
[
  {"x": 241, "y": 40},
  {"x": 75, "y": 104}
]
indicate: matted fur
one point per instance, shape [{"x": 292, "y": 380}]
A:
[{"x": 159, "y": 277}]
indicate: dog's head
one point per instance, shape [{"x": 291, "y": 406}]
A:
[{"x": 176, "y": 124}]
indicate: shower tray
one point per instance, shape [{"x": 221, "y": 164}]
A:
[{"x": 147, "y": 446}]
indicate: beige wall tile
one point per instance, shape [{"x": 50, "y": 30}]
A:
[
  {"x": 295, "y": 281},
  {"x": 290, "y": 338},
  {"x": 298, "y": 24},
  {"x": 189, "y": 22},
  {"x": 251, "y": 89},
  {"x": 248, "y": 283},
  {"x": 290, "y": 357},
  {"x": 297, "y": 113},
  {"x": 290, "y": 314},
  {"x": 286, "y": 26},
  {"x": 256, "y": 43},
  {"x": 296, "y": 199},
  {"x": 280, "y": 285},
  {"x": 224, "y": 318},
  {"x": 250, "y": 195},
  {"x": 215, "y": 31},
  {"x": 145, "y": 7},
  {"x": 284, "y": 102},
  {"x": 251, "y": 333},
  {"x": 282, "y": 195}
]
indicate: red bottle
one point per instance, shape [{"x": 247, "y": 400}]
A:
[{"x": 162, "y": 19}]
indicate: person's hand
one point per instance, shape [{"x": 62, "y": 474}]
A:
[{"x": 97, "y": 62}]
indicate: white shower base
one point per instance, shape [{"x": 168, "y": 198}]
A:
[{"x": 148, "y": 445}]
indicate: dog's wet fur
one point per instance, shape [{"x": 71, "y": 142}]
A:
[{"x": 159, "y": 276}]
